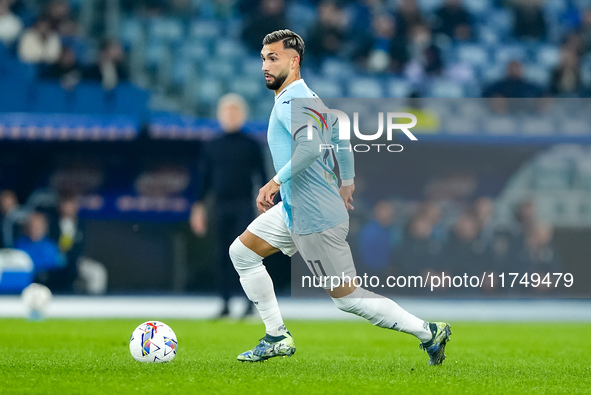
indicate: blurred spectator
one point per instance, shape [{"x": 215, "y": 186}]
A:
[
  {"x": 67, "y": 70},
  {"x": 418, "y": 250},
  {"x": 110, "y": 68},
  {"x": 566, "y": 79},
  {"x": 573, "y": 41},
  {"x": 482, "y": 210},
  {"x": 269, "y": 16},
  {"x": 453, "y": 20},
  {"x": 68, "y": 231},
  {"x": 8, "y": 204},
  {"x": 426, "y": 60},
  {"x": 528, "y": 20},
  {"x": 408, "y": 15},
  {"x": 513, "y": 85},
  {"x": 40, "y": 44},
  {"x": 233, "y": 156},
  {"x": 10, "y": 25},
  {"x": 586, "y": 31},
  {"x": 58, "y": 13},
  {"x": 379, "y": 237},
  {"x": 388, "y": 52},
  {"x": 464, "y": 252},
  {"x": 43, "y": 251},
  {"x": 541, "y": 255},
  {"x": 71, "y": 38},
  {"x": 526, "y": 217},
  {"x": 328, "y": 34}
]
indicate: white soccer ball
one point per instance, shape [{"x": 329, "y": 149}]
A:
[
  {"x": 153, "y": 341},
  {"x": 36, "y": 297}
]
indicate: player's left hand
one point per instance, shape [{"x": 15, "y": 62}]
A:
[
  {"x": 267, "y": 195},
  {"x": 347, "y": 196}
]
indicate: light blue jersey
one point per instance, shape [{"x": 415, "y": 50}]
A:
[{"x": 309, "y": 186}]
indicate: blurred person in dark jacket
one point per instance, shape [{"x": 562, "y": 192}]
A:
[
  {"x": 8, "y": 204},
  {"x": 110, "y": 68},
  {"x": 231, "y": 163},
  {"x": 528, "y": 20},
  {"x": 379, "y": 237},
  {"x": 67, "y": 70},
  {"x": 327, "y": 37},
  {"x": 43, "y": 251},
  {"x": 408, "y": 15},
  {"x": 68, "y": 231},
  {"x": 267, "y": 17},
  {"x": 566, "y": 80},
  {"x": 453, "y": 20},
  {"x": 513, "y": 85},
  {"x": 538, "y": 255}
]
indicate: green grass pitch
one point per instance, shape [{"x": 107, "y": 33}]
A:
[{"x": 92, "y": 356}]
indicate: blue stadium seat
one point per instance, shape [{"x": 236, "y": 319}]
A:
[
  {"x": 479, "y": 8},
  {"x": 252, "y": 66},
  {"x": 332, "y": 67},
  {"x": 208, "y": 91},
  {"x": 487, "y": 34},
  {"x": 501, "y": 125},
  {"x": 156, "y": 52},
  {"x": 547, "y": 55},
  {"x": 89, "y": 98},
  {"x": 539, "y": 126},
  {"x": 204, "y": 29},
  {"x": 399, "y": 88},
  {"x": 51, "y": 97},
  {"x": 167, "y": 30},
  {"x": 445, "y": 88},
  {"x": 501, "y": 20},
  {"x": 229, "y": 49},
  {"x": 429, "y": 6},
  {"x": 249, "y": 88},
  {"x": 473, "y": 54},
  {"x": 301, "y": 16},
  {"x": 537, "y": 73},
  {"x": 183, "y": 71},
  {"x": 325, "y": 87},
  {"x": 132, "y": 32},
  {"x": 492, "y": 73},
  {"x": 219, "y": 69},
  {"x": 365, "y": 87},
  {"x": 506, "y": 53}
]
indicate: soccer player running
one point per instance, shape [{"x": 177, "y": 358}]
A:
[{"x": 319, "y": 228}]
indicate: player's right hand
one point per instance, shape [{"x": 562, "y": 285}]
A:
[{"x": 267, "y": 195}]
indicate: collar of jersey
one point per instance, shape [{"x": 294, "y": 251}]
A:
[{"x": 296, "y": 82}]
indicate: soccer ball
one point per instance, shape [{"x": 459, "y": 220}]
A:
[
  {"x": 153, "y": 341},
  {"x": 36, "y": 297}
]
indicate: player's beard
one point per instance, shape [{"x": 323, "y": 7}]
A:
[{"x": 276, "y": 82}]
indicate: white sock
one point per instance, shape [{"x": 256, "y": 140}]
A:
[
  {"x": 258, "y": 286},
  {"x": 383, "y": 312}
]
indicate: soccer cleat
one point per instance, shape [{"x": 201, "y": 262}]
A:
[
  {"x": 269, "y": 347},
  {"x": 436, "y": 346}
]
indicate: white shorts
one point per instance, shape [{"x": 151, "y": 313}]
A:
[
  {"x": 326, "y": 253},
  {"x": 271, "y": 227}
]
